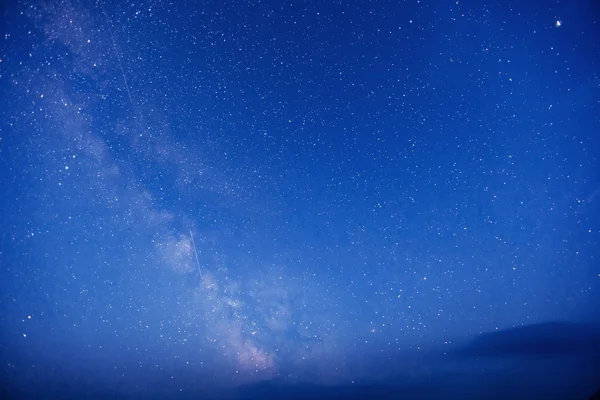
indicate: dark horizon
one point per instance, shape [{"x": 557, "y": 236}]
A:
[{"x": 509, "y": 364}]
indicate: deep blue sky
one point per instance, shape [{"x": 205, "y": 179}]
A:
[{"x": 370, "y": 186}]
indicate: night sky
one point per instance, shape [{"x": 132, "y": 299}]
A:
[{"x": 260, "y": 199}]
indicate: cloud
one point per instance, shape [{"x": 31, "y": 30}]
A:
[{"x": 552, "y": 338}]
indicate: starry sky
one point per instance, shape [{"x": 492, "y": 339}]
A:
[{"x": 204, "y": 196}]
